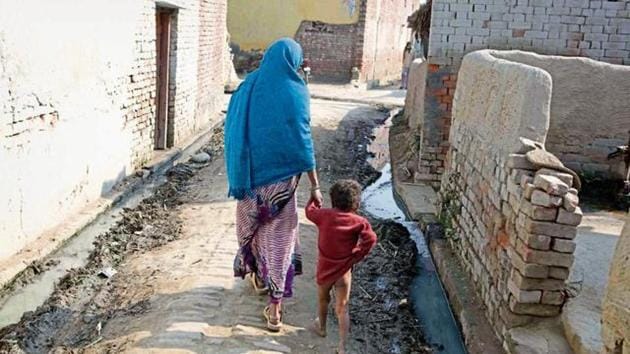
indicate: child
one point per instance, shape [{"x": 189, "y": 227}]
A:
[{"x": 345, "y": 238}]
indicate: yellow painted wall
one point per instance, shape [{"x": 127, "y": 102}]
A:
[{"x": 254, "y": 24}]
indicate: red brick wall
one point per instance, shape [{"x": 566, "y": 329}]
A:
[
  {"x": 330, "y": 49},
  {"x": 378, "y": 37}
]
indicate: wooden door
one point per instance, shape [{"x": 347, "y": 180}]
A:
[{"x": 163, "y": 31}]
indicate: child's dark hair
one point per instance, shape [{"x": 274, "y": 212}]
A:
[{"x": 345, "y": 195}]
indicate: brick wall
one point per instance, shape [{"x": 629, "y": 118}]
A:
[
  {"x": 330, "y": 49},
  {"x": 82, "y": 114},
  {"x": 596, "y": 29},
  {"x": 511, "y": 223}
]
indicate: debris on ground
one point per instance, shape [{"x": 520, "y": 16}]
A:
[
  {"x": 382, "y": 319},
  {"x": 81, "y": 303}
]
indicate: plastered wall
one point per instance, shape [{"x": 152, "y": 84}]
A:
[{"x": 77, "y": 100}]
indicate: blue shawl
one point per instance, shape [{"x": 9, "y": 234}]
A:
[{"x": 267, "y": 129}]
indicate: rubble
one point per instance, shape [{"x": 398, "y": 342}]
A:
[{"x": 382, "y": 320}]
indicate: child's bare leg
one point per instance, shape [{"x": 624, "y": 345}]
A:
[
  {"x": 342, "y": 297},
  {"x": 323, "y": 297}
]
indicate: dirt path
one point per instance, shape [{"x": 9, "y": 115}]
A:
[{"x": 175, "y": 290}]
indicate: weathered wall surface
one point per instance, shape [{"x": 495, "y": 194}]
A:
[
  {"x": 77, "y": 97},
  {"x": 616, "y": 307},
  {"x": 330, "y": 49},
  {"x": 590, "y": 111},
  {"x": 385, "y": 36},
  {"x": 511, "y": 224},
  {"x": 589, "y": 28},
  {"x": 254, "y": 25},
  {"x": 336, "y": 35}
]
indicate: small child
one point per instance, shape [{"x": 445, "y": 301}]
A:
[{"x": 345, "y": 238}]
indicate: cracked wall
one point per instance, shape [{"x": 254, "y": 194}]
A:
[{"x": 77, "y": 99}]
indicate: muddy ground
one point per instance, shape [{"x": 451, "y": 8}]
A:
[{"x": 174, "y": 291}]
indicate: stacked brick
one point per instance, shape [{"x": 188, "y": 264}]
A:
[
  {"x": 513, "y": 227},
  {"x": 545, "y": 213}
]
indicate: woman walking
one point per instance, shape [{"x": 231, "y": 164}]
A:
[{"x": 268, "y": 146}]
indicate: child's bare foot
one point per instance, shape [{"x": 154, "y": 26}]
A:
[
  {"x": 341, "y": 350},
  {"x": 317, "y": 328}
]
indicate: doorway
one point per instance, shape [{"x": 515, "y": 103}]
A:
[{"x": 164, "y": 46}]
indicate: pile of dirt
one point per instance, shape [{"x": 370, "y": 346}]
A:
[
  {"x": 81, "y": 302},
  {"x": 382, "y": 317}
]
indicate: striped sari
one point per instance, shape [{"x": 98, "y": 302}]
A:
[{"x": 267, "y": 231}]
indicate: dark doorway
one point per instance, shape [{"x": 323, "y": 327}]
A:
[{"x": 164, "y": 21}]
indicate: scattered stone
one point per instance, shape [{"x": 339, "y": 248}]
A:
[
  {"x": 541, "y": 310},
  {"x": 571, "y": 202},
  {"x": 539, "y": 242},
  {"x": 526, "y": 283},
  {"x": 542, "y": 213},
  {"x": 541, "y": 198},
  {"x": 570, "y": 218},
  {"x": 553, "y": 297},
  {"x": 564, "y": 246},
  {"x": 564, "y": 177},
  {"x": 524, "y": 296},
  {"x": 107, "y": 272},
  {"x": 528, "y": 191},
  {"x": 519, "y": 161},
  {"x": 549, "y": 258},
  {"x": 202, "y": 157},
  {"x": 550, "y": 184},
  {"x": 559, "y": 273},
  {"x": 529, "y": 270},
  {"x": 550, "y": 229}
]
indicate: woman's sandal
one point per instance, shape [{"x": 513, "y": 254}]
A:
[
  {"x": 273, "y": 327},
  {"x": 259, "y": 291}
]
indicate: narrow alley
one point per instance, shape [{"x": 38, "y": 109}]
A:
[
  {"x": 174, "y": 288},
  {"x": 152, "y": 149}
]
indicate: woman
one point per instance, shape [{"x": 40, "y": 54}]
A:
[
  {"x": 268, "y": 145},
  {"x": 407, "y": 59}
]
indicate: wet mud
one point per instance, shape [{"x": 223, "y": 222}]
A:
[
  {"x": 82, "y": 301},
  {"x": 382, "y": 317}
]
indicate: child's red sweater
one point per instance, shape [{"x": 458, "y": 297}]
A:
[{"x": 345, "y": 238}]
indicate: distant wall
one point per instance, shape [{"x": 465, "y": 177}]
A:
[
  {"x": 331, "y": 49},
  {"x": 336, "y": 35},
  {"x": 254, "y": 25},
  {"x": 588, "y": 28},
  {"x": 384, "y": 39},
  {"x": 77, "y": 100},
  {"x": 511, "y": 223},
  {"x": 590, "y": 110}
]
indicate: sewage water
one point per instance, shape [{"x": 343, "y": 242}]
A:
[
  {"x": 429, "y": 299},
  {"x": 73, "y": 254}
]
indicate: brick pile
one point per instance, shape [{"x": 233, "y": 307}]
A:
[{"x": 513, "y": 227}]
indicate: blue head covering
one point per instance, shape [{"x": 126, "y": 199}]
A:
[{"x": 267, "y": 129}]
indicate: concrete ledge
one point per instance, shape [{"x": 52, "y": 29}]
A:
[
  {"x": 419, "y": 200},
  {"x": 465, "y": 303},
  {"x": 53, "y": 239}
]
